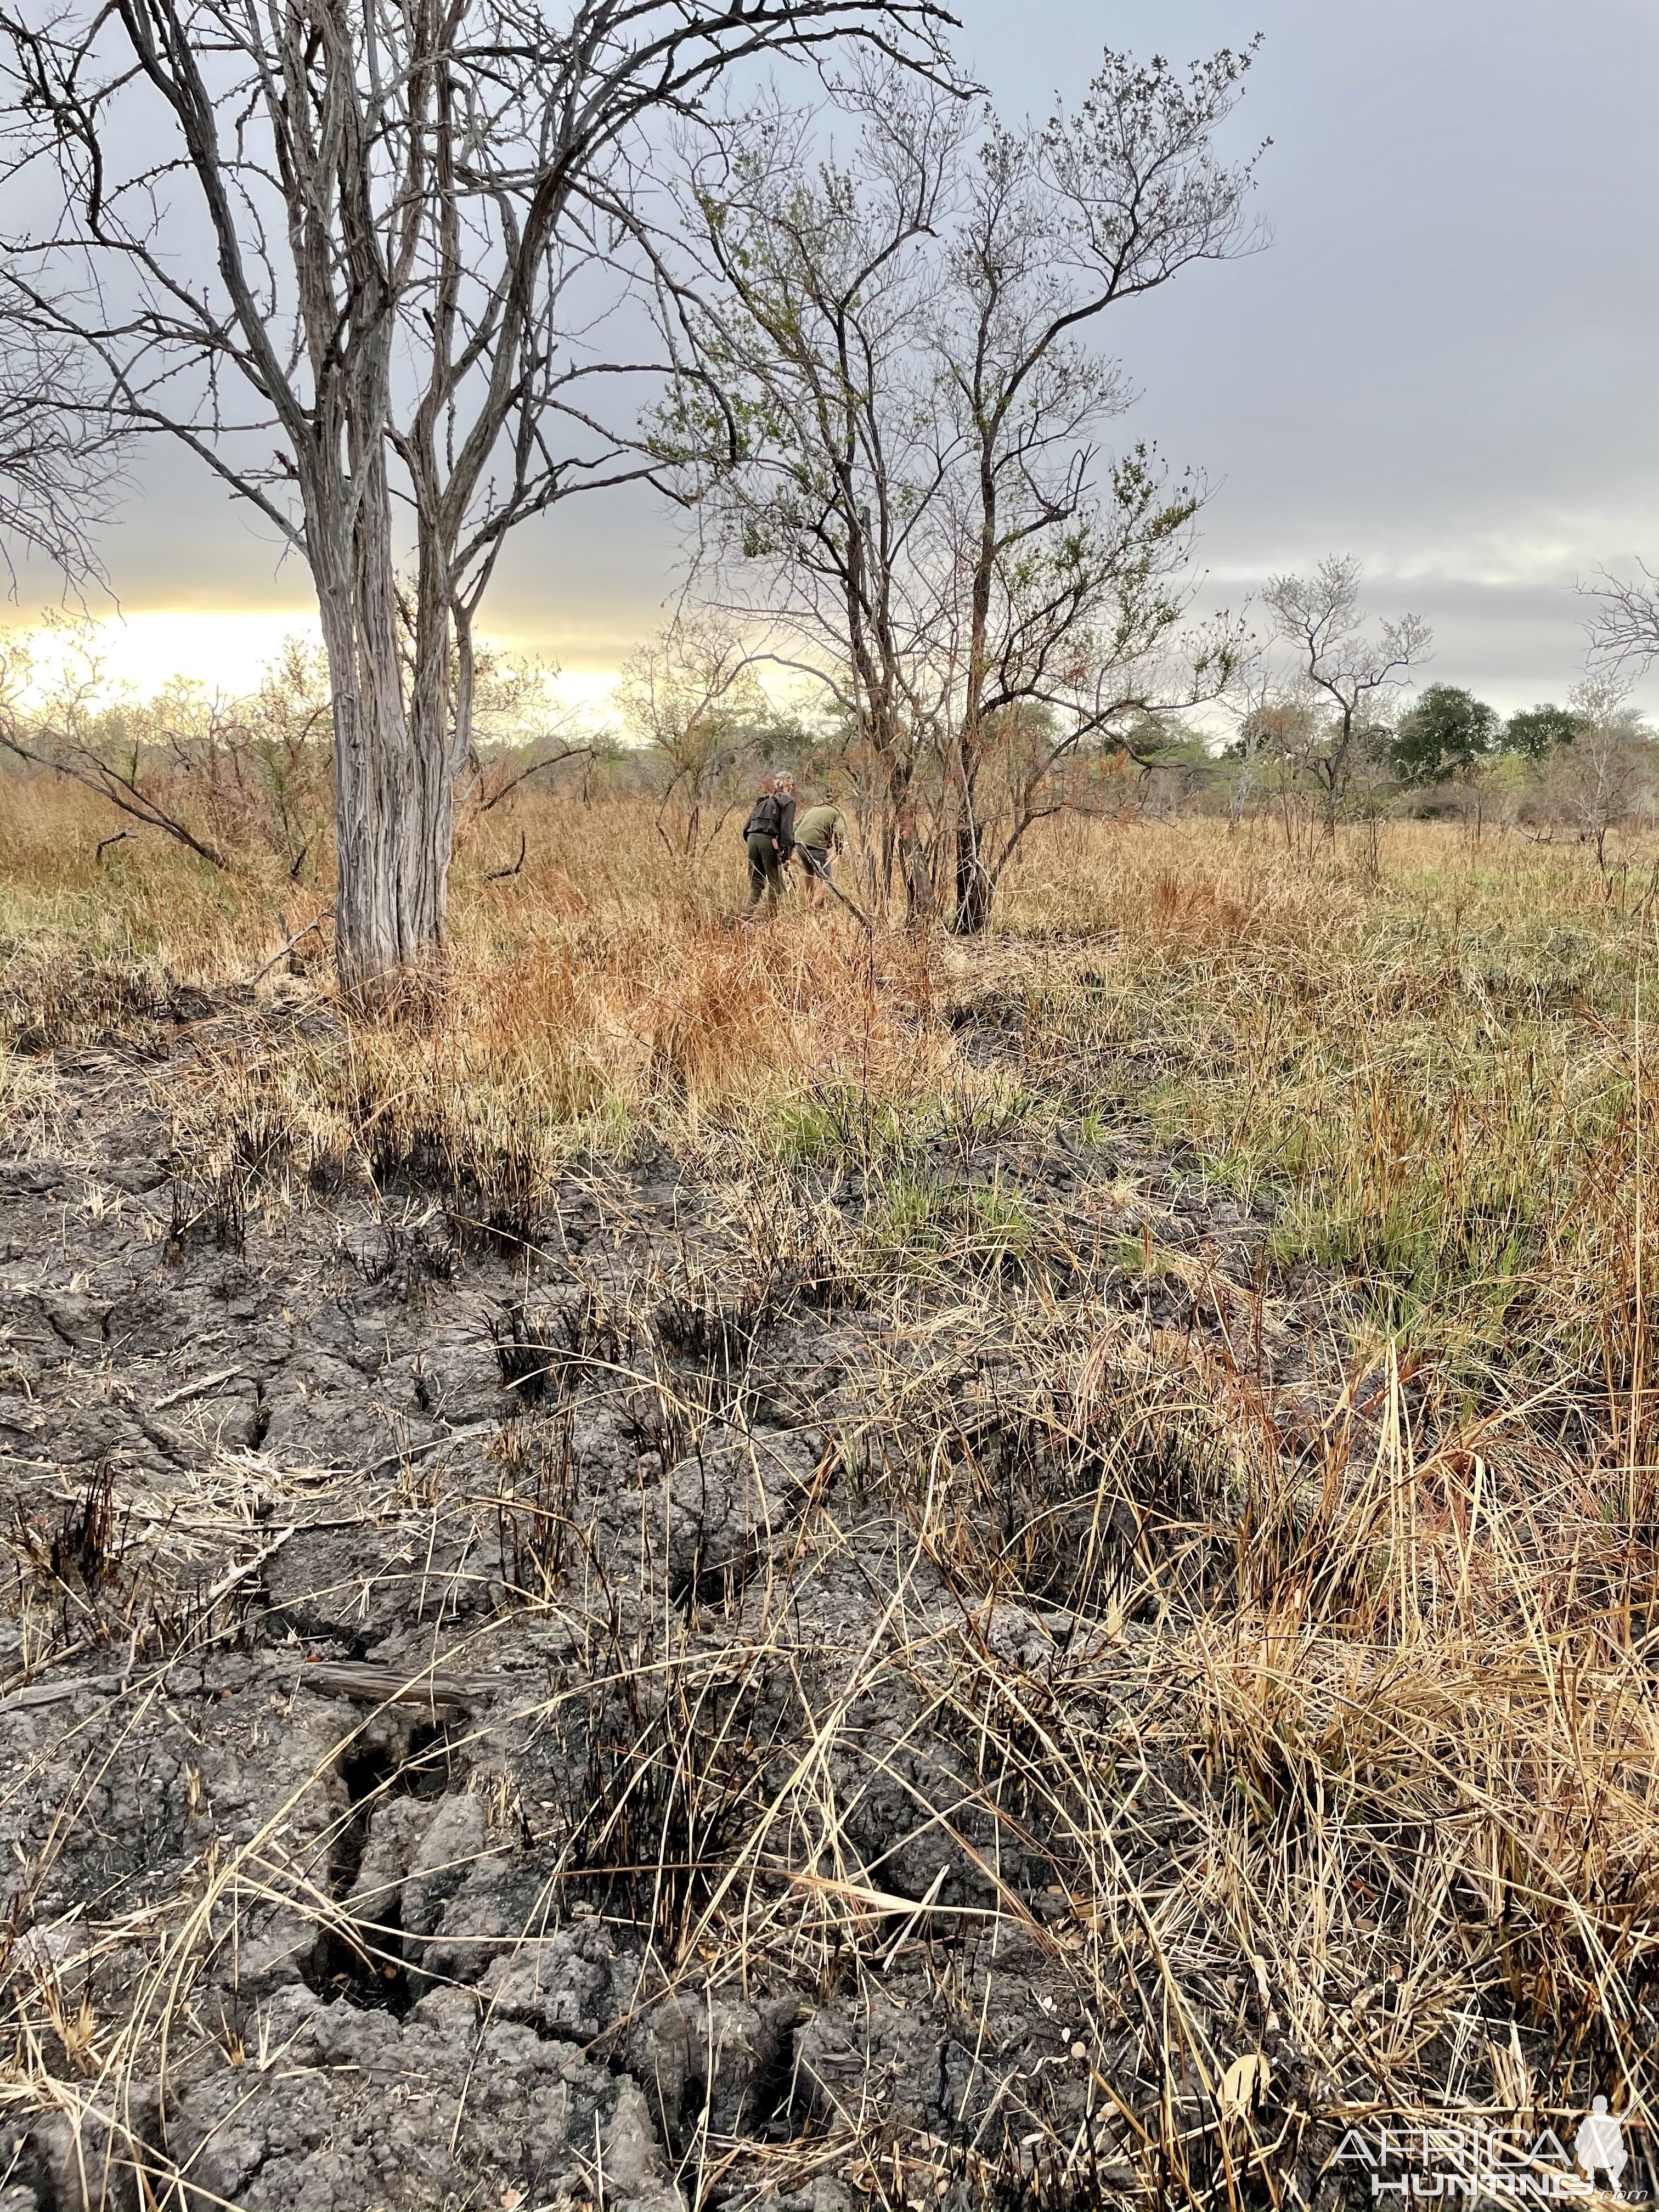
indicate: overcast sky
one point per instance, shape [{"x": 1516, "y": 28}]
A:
[{"x": 1444, "y": 362}]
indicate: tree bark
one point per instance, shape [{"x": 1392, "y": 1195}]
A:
[
  {"x": 350, "y": 181},
  {"x": 976, "y": 888},
  {"x": 392, "y": 809}
]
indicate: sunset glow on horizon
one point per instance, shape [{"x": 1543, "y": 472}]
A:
[{"x": 229, "y": 650}]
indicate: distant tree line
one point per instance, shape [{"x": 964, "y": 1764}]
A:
[
  {"x": 1551, "y": 771},
  {"x": 1451, "y": 733}
]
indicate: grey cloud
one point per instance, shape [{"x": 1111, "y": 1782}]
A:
[{"x": 1443, "y": 363}]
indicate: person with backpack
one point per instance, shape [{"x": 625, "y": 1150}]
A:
[{"x": 769, "y": 837}]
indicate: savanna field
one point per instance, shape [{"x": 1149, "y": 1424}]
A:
[{"x": 813, "y": 1570}]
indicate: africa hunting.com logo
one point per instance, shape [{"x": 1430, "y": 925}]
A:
[{"x": 1416, "y": 2164}]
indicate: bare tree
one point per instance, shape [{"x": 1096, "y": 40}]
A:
[
  {"x": 1069, "y": 595},
  {"x": 1624, "y": 626},
  {"x": 1320, "y": 618},
  {"x": 808, "y": 439},
  {"x": 911, "y": 488},
  {"x": 60, "y": 455},
  {"x": 1594, "y": 782},
  {"x": 691, "y": 694},
  {"x": 345, "y": 254}
]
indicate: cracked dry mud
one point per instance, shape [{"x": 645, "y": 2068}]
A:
[{"x": 582, "y": 1722}]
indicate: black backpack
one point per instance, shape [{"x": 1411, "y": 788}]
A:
[{"x": 765, "y": 817}]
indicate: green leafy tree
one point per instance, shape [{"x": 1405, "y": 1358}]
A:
[
  {"x": 1536, "y": 731},
  {"x": 1448, "y": 733}
]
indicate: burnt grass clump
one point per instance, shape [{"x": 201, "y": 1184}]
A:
[{"x": 969, "y": 1678}]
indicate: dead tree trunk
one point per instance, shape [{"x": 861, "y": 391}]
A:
[{"x": 414, "y": 183}]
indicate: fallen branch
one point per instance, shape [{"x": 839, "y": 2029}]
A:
[
  {"x": 199, "y": 1389},
  {"x": 24, "y": 1674},
  {"x": 289, "y": 946},
  {"x": 553, "y": 760},
  {"x": 500, "y": 875},
  {"x": 386, "y": 1686},
  {"x": 53, "y": 1693},
  {"x": 121, "y": 791},
  {"x": 835, "y": 891},
  {"x": 226, "y": 1584}
]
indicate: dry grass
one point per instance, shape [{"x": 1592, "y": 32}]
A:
[{"x": 1318, "y": 1719}]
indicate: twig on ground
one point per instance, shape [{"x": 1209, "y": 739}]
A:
[
  {"x": 386, "y": 1686},
  {"x": 856, "y": 911},
  {"x": 299, "y": 933},
  {"x": 199, "y": 1389}
]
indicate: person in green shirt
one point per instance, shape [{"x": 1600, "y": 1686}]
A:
[{"x": 820, "y": 832}]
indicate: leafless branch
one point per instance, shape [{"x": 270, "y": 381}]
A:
[
  {"x": 500, "y": 875},
  {"x": 79, "y": 765},
  {"x": 1624, "y": 625},
  {"x": 550, "y": 760}
]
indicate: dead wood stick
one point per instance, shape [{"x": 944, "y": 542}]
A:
[
  {"x": 500, "y": 875},
  {"x": 835, "y": 891},
  {"x": 16, "y": 1681},
  {"x": 52, "y": 1693},
  {"x": 289, "y": 947},
  {"x": 226, "y": 1584},
  {"x": 121, "y": 791},
  {"x": 384, "y": 1686},
  {"x": 199, "y": 1389}
]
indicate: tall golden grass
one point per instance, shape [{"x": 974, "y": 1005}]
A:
[
  {"x": 1433, "y": 1068},
  {"x": 1409, "y": 1756}
]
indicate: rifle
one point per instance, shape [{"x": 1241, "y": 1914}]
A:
[{"x": 857, "y": 912}]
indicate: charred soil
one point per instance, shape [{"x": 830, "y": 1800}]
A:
[{"x": 654, "y": 1691}]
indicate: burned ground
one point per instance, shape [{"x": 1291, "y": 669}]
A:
[{"x": 656, "y": 1690}]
